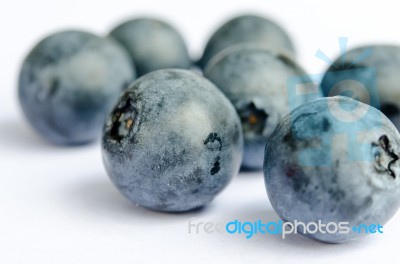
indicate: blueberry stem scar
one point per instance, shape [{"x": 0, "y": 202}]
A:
[{"x": 123, "y": 118}]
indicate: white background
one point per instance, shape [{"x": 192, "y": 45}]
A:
[{"x": 57, "y": 204}]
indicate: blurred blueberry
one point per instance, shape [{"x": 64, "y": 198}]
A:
[
  {"x": 334, "y": 160},
  {"x": 247, "y": 28},
  {"x": 254, "y": 79},
  {"x": 370, "y": 74},
  {"x": 172, "y": 142},
  {"x": 68, "y": 83},
  {"x": 152, "y": 45}
]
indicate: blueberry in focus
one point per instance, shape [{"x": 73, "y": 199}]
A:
[
  {"x": 172, "y": 142},
  {"x": 68, "y": 83},
  {"x": 255, "y": 80},
  {"x": 336, "y": 160},
  {"x": 247, "y": 28},
  {"x": 370, "y": 74},
  {"x": 152, "y": 45}
]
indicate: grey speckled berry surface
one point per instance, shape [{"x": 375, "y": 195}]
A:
[
  {"x": 370, "y": 73},
  {"x": 247, "y": 28},
  {"x": 152, "y": 44},
  {"x": 172, "y": 142},
  {"x": 255, "y": 80},
  {"x": 68, "y": 83},
  {"x": 335, "y": 160}
]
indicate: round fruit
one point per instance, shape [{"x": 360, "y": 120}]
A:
[
  {"x": 247, "y": 28},
  {"x": 334, "y": 160},
  {"x": 69, "y": 81},
  {"x": 255, "y": 80},
  {"x": 152, "y": 45},
  {"x": 172, "y": 142}
]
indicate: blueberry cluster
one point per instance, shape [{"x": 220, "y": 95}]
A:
[{"x": 173, "y": 137}]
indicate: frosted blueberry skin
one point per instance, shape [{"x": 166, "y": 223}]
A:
[
  {"x": 309, "y": 175},
  {"x": 255, "y": 80},
  {"x": 172, "y": 142},
  {"x": 68, "y": 83},
  {"x": 378, "y": 72},
  {"x": 152, "y": 45},
  {"x": 247, "y": 28}
]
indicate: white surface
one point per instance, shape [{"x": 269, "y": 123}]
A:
[{"x": 57, "y": 204}]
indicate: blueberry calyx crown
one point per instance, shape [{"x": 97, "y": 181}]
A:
[{"x": 383, "y": 163}]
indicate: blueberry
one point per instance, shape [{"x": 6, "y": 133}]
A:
[
  {"x": 254, "y": 79},
  {"x": 152, "y": 44},
  {"x": 68, "y": 83},
  {"x": 334, "y": 160},
  {"x": 247, "y": 28},
  {"x": 172, "y": 142},
  {"x": 369, "y": 73}
]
